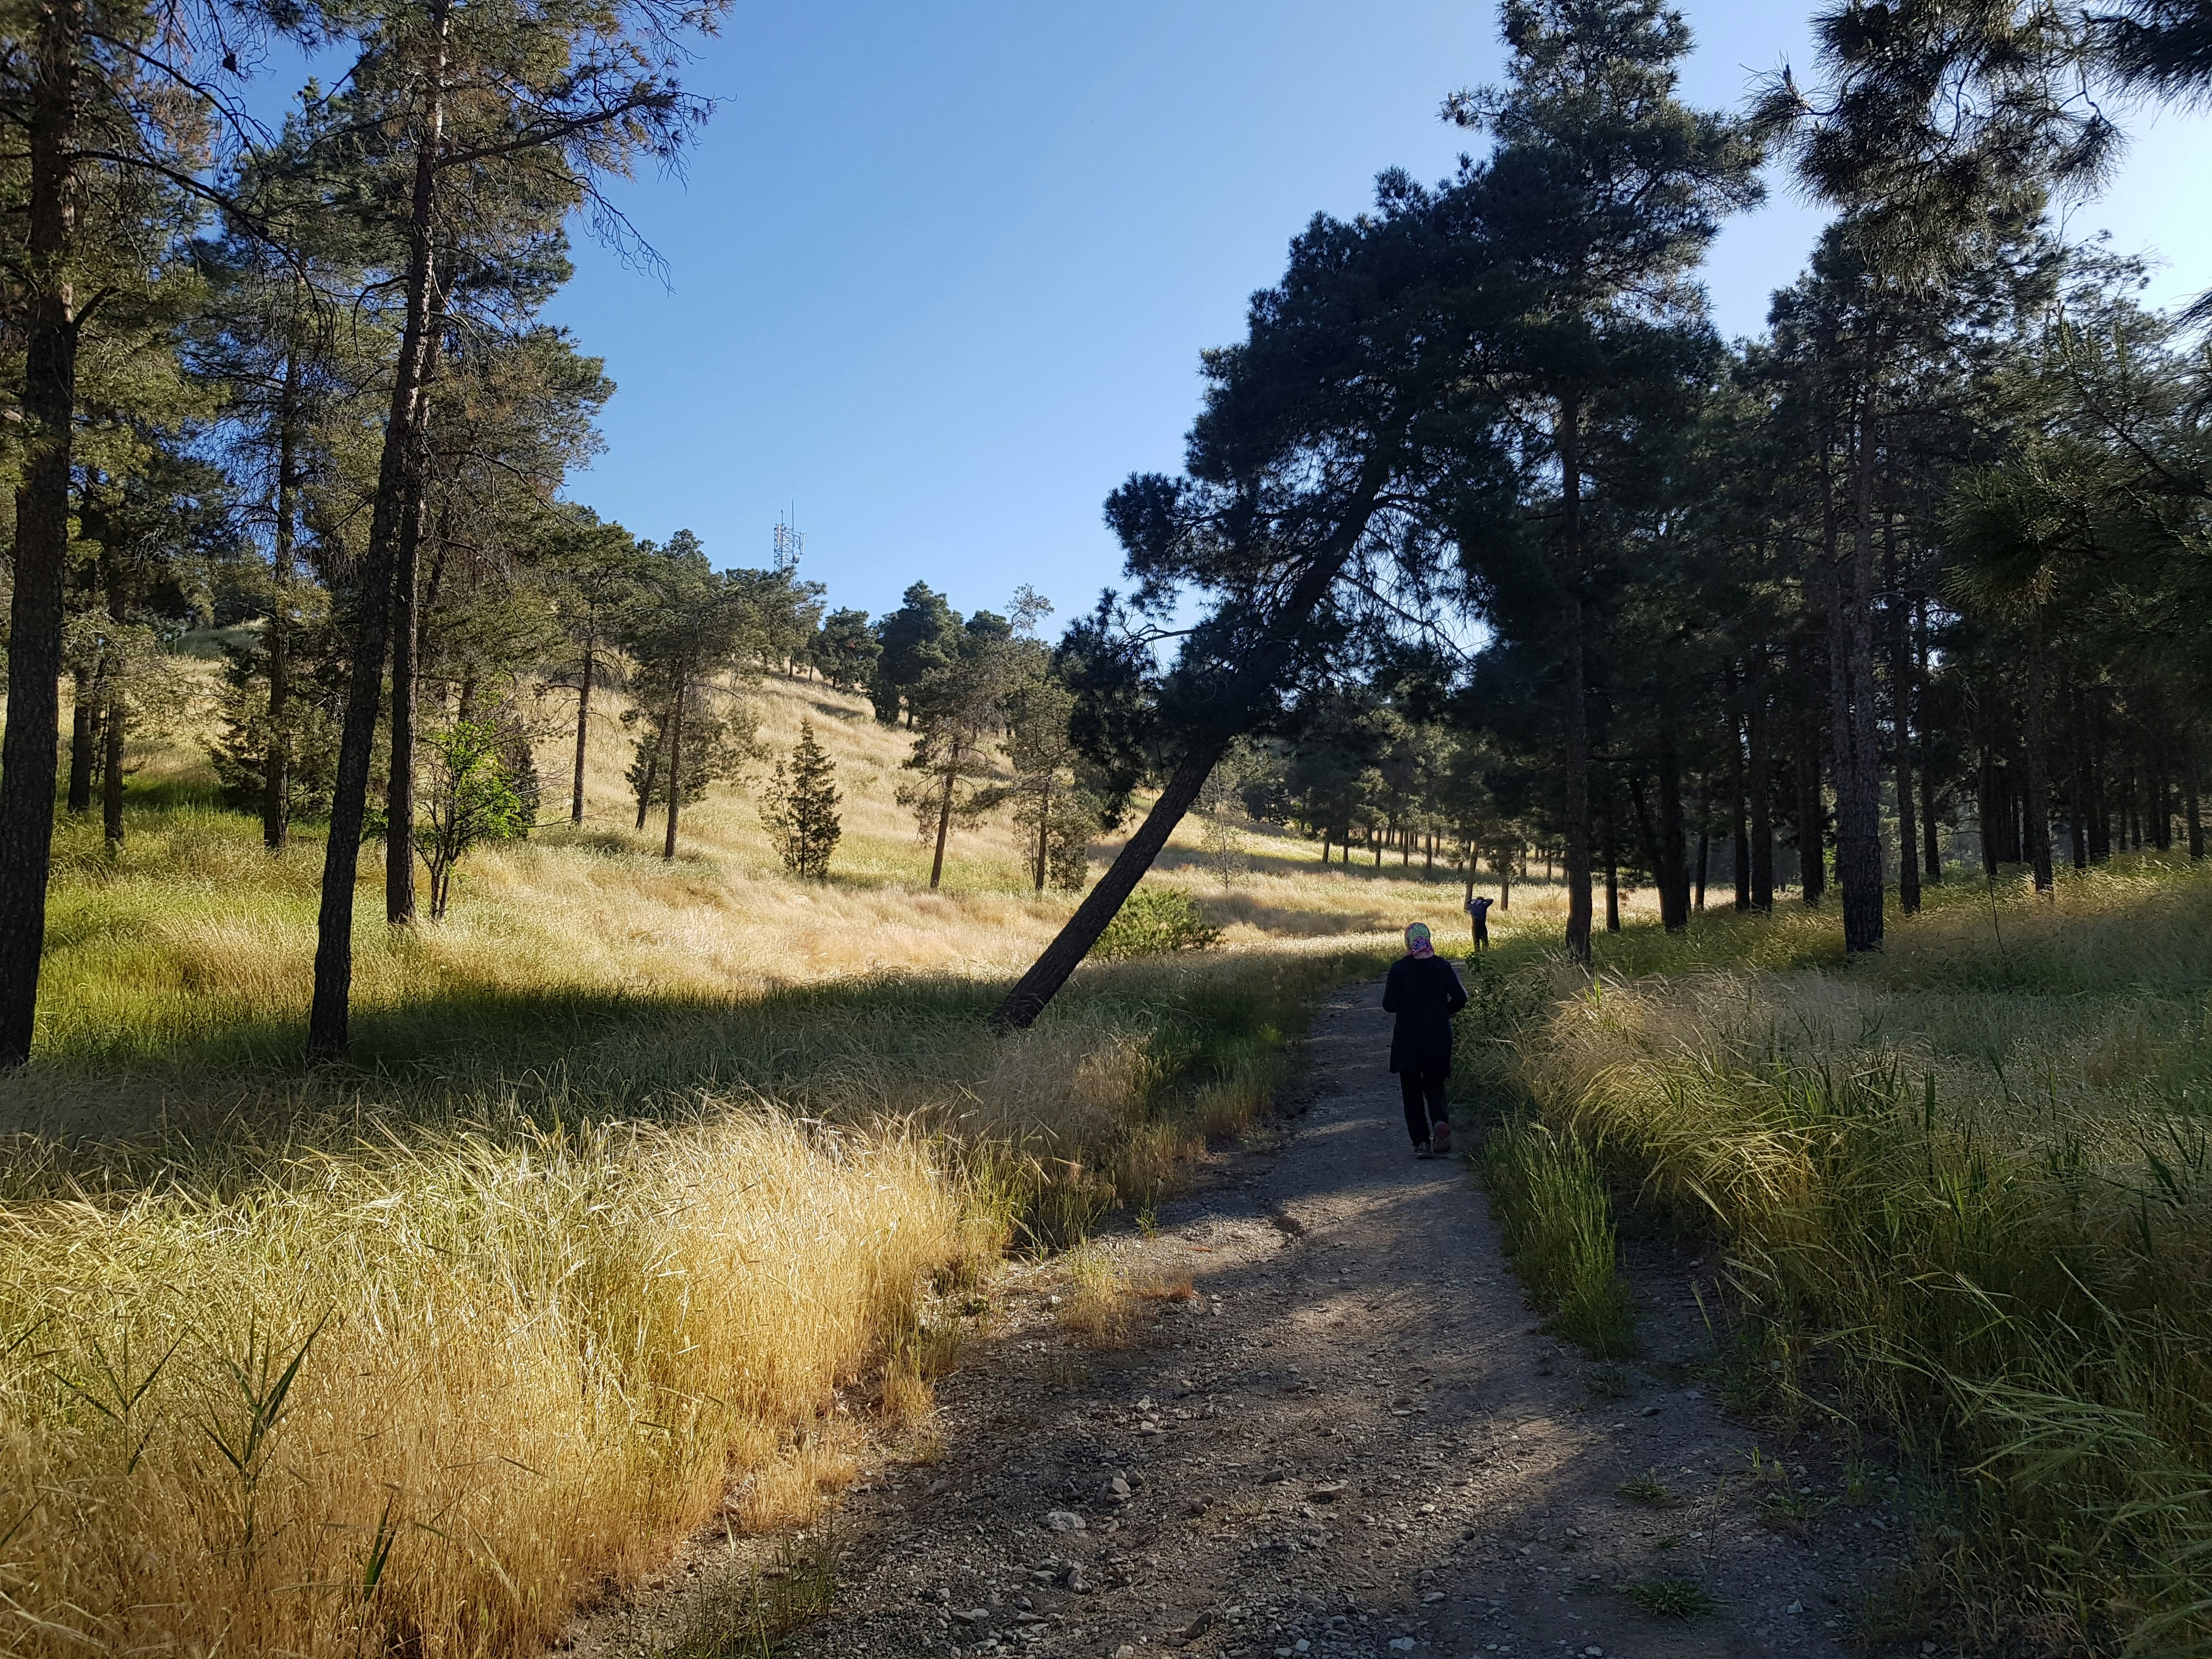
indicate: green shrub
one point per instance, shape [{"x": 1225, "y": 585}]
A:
[{"x": 1154, "y": 921}]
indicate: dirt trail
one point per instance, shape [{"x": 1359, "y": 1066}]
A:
[{"x": 1354, "y": 1443}]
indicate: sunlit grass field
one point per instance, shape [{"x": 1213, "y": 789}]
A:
[
  {"x": 1965, "y": 1194},
  {"x": 643, "y": 1184},
  {"x": 195, "y": 941}
]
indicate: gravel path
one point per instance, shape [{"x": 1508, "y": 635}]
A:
[{"x": 1353, "y": 1441}]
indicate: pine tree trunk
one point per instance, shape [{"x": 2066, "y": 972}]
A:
[
  {"x": 1739, "y": 816},
  {"x": 1044, "y": 827},
  {"x": 112, "y": 727},
  {"x": 1576, "y": 709},
  {"x": 1991, "y": 833},
  {"x": 48, "y": 407},
  {"x": 652, "y": 775},
  {"x": 1762, "y": 788},
  {"x": 276, "y": 764},
  {"x": 676, "y": 760},
  {"x": 2036, "y": 785},
  {"x": 1900, "y": 703},
  {"x": 946, "y": 785},
  {"x": 583, "y": 733},
  {"x": 399, "y": 789},
  {"x": 80, "y": 774},
  {"x": 1931, "y": 843},
  {"x": 2077, "y": 788},
  {"x": 115, "y": 716},
  {"x": 1674, "y": 878},
  {"x": 1850, "y": 636},
  {"x": 328, "y": 1016},
  {"x": 2191, "y": 759}
]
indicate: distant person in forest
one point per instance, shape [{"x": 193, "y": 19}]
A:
[
  {"x": 1478, "y": 910},
  {"x": 1424, "y": 993}
]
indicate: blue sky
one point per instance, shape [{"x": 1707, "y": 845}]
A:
[{"x": 938, "y": 276}]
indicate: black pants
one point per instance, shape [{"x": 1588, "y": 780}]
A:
[{"x": 1424, "y": 1101}]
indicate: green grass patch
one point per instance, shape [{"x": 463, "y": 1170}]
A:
[
  {"x": 1963, "y": 1190},
  {"x": 1672, "y": 1598},
  {"x": 1556, "y": 1220}
]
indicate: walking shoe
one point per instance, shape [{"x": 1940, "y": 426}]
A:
[
  {"x": 1423, "y": 1152},
  {"x": 1440, "y": 1138}
]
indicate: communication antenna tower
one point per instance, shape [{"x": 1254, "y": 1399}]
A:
[{"x": 790, "y": 543}]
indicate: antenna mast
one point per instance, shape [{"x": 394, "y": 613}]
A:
[{"x": 790, "y": 543}]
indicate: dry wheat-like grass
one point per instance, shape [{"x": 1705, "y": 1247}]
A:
[{"x": 431, "y": 1392}]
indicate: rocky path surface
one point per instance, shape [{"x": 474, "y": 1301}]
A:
[{"x": 1351, "y": 1440}]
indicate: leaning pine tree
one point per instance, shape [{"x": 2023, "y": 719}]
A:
[
  {"x": 1359, "y": 386},
  {"x": 799, "y": 808}
]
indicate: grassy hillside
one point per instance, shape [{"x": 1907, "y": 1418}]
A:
[
  {"x": 1964, "y": 1193},
  {"x": 198, "y": 942}
]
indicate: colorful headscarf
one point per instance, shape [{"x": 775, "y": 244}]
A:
[{"x": 1417, "y": 940}]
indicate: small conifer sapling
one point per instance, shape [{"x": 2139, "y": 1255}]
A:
[{"x": 798, "y": 807}]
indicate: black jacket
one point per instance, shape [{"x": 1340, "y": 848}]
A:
[{"x": 1424, "y": 993}]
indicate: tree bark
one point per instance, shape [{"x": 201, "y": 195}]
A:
[
  {"x": 112, "y": 730},
  {"x": 1992, "y": 833},
  {"x": 81, "y": 741},
  {"x": 1931, "y": 843},
  {"x": 2190, "y": 758},
  {"x": 1900, "y": 705},
  {"x": 943, "y": 826},
  {"x": 1674, "y": 879},
  {"x": 329, "y": 1014},
  {"x": 29, "y": 750},
  {"x": 1762, "y": 789},
  {"x": 116, "y": 715},
  {"x": 1739, "y": 816},
  {"x": 1044, "y": 827},
  {"x": 399, "y": 790},
  {"x": 1253, "y": 678},
  {"x": 1612, "y": 875},
  {"x": 2077, "y": 788},
  {"x": 2036, "y": 786},
  {"x": 675, "y": 762},
  {"x": 583, "y": 730},
  {"x": 652, "y": 776},
  {"x": 1576, "y": 708},
  {"x": 1812, "y": 820},
  {"x": 1850, "y": 638}
]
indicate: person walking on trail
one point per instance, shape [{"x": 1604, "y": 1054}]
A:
[
  {"x": 1424, "y": 993},
  {"x": 1479, "y": 910}
]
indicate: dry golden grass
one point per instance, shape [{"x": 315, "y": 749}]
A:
[
  {"x": 432, "y": 1391},
  {"x": 1098, "y": 1305}
]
